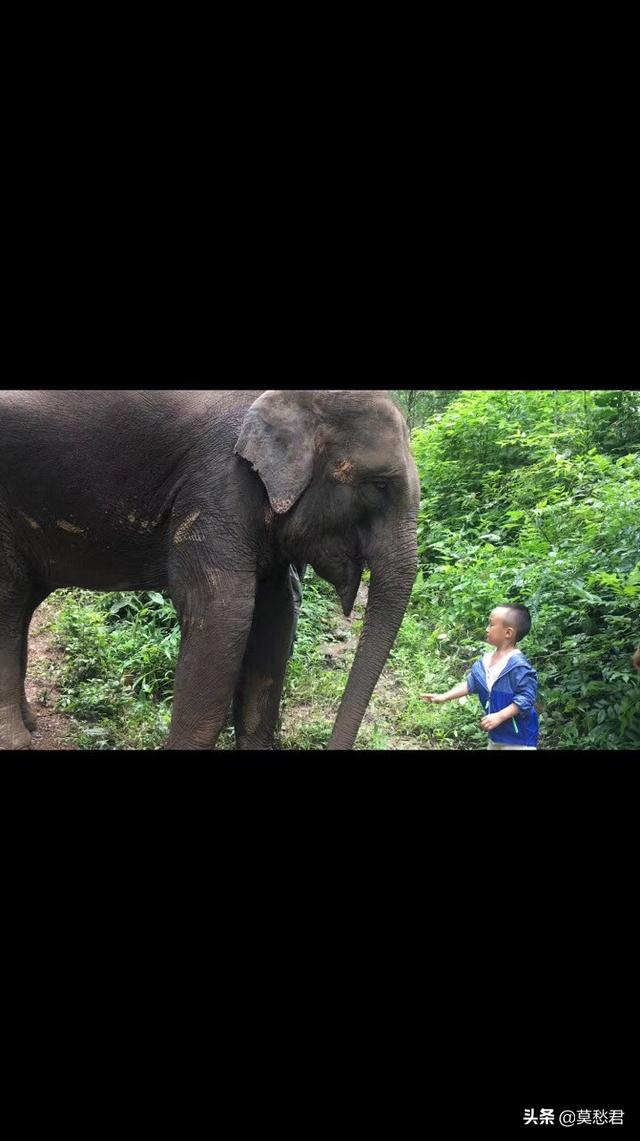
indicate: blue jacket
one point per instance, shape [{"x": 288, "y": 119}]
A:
[{"x": 518, "y": 682}]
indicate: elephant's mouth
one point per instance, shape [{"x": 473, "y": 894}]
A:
[
  {"x": 344, "y": 573},
  {"x": 349, "y": 590}
]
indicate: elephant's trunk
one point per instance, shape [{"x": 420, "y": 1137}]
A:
[{"x": 392, "y": 580}]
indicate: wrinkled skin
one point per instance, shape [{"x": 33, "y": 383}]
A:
[{"x": 210, "y": 497}]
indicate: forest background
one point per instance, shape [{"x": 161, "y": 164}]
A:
[{"x": 528, "y": 497}]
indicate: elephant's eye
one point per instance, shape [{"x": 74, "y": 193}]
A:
[{"x": 372, "y": 491}]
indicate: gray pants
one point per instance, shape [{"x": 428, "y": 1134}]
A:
[
  {"x": 497, "y": 745},
  {"x": 295, "y": 583}
]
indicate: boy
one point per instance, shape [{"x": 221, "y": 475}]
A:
[{"x": 505, "y": 682}]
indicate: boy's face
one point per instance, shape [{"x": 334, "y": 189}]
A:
[{"x": 498, "y": 629}]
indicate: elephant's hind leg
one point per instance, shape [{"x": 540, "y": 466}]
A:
[{"x": 13, "y": 731}]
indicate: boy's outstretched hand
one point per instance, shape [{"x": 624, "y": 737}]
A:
[{"x": 436, "y": 698}]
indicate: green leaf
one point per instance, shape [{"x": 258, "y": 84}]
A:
[
  {"x": 118, "y": 606},
  {"x": 592, "y": 598}
]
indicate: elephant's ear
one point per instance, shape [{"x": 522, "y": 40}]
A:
[{"x": 277, "y": 437}]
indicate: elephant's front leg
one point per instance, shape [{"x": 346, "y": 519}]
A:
[
  {"x": 215, "y": 611},
  {"x": 257, "y": 700}
]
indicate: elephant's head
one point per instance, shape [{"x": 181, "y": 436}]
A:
[{"x": 344, "y": 488}]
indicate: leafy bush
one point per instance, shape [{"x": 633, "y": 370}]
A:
[
  {"x": 121, "y": 652},
  {"x": 513, "y": 511}
]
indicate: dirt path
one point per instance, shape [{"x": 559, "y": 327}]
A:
[{"x": 43, "y": 671}]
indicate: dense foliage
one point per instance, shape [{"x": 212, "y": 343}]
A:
[
  {"x": 121, "y": 654},
  {"x": 420, "y": 404},
  {"x": 530, "y": 497}
]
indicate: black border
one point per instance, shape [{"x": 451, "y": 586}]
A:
[{"x": 499, "y": 898}]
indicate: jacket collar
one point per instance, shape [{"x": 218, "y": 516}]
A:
[{"x": 514, "y": 660}]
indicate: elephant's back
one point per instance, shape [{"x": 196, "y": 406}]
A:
[
  {"x": 91, "y": 424},
  {"x": 79, "y": 444}
]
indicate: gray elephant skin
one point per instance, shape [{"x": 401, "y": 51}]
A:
[{"x": 209, "y": 496}]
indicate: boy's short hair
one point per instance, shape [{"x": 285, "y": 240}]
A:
[{"x": 518, "y": 617}]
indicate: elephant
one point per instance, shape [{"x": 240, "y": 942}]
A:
[{"x": 211, "y": 497}]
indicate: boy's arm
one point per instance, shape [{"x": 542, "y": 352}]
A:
[
  {"x": 526, "y": 691},
  {"x": 512, "y": 710},
  {"x": 523, "y": 700},
  {"x": 460, "y": 691}
]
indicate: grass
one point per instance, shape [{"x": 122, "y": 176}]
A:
[
  {"x": 121, "y": 652},
  {"x": 120, "y": 657}
]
